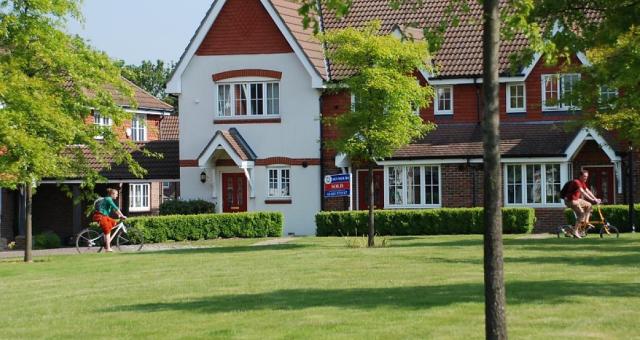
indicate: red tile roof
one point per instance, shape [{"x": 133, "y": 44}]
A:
[
  {"x": 461, "y": 52},
  {"x": 144, "y": 99},
  {"x": 525, "y": 139},
  {"x": 169, "y": 128}
]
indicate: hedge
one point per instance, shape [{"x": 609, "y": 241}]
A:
[
  {"x": 421, "y": 222},
  {"x": 209, "y": 226},
  {"x": 191, "y": 207},
  {"x": 616, "y": 215}
]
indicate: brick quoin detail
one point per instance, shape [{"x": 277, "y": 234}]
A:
[
  {"x": 243, "y": 27},
  {"x": 287, "y": 161},
  {"x": 188, "y": 163},
  {"x": 246, "y": 73}
]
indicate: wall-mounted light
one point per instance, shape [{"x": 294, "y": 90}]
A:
[{"x": 203, "y": 177}]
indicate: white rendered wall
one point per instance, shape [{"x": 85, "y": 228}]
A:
[{"x": 296, "y": 136}]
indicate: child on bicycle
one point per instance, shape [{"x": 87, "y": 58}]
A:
[
  {"x": 104, "y": 208},
  {"x": 578, "y": 198}
]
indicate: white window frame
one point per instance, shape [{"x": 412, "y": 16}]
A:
[
  {"x": 523, "y": 184},
  {"x": 279, "y": 181},
  {"x": 101, "y": 120},
  {"x": 133, "y": 195},
  {"x": 511, "y": 109},
  {"x": 611, "y": 92},
  {"x": 232, "y": 99},
  {"x": 139, "y": 128},
  {"x": 423, "y": 187},
  {"x": 560, "y": 89},
  {"x": 436, "y": 109}
]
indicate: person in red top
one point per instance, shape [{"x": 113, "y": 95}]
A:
[{"x": 578, "y": 199}]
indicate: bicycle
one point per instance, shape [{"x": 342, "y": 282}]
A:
[
  {"x": 606, "y": 229},
  {"x": 125, "y": 237}
]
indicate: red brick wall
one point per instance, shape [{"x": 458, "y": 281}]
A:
[
  {"x": 333, "y": 104},
  {"x": 243, "y": 27},
  {"x": 548, "y": 219},
  {"x": 153, "y": 127},
  {"x": 457, "y": 185}
]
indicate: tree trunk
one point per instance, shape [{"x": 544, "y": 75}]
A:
[
  {"x": 371, "y": 241},
  {"x": 494, "y": 290},
  {"x": 28, "y": 193}
]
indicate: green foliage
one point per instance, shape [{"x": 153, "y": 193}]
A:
[
  {"x": 196, "y": 227},
  {"x": 616, "y": 215},
  {"x": 444, "y": 221},
  {"x": 191, "y": 207},
  {"x": 47, "y": 240},
  {"x": 152, "y": 77},
  {"x": 49, "y": 84},
  {"x": 386, "y": 92}
]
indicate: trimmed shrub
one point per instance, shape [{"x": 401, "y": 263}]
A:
[
  {"x": 191, "y": 207},
  {"x": 47, "y": 240},
  {"x": 444, "y": 221},
  {"x": 209, "y": 226},
  {"x": 616, "y": 215}
]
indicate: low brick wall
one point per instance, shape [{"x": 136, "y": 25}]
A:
[{"x": 548, "y": 219}]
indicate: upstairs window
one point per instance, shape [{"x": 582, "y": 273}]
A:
[
  {"x": 516, "y": 98},
  {"x": 444, "y": 100},
  {"x": 249, "y": 99},
  {"x": 139, "y": 128},
  {"x": 557, "y": 90},
  {"x": 100, "y": 120},
  {"x": 607, "y": 95}
]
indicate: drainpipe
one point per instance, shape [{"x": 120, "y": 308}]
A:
[
  {"x": 321, "y": 156},
  {"x": 477, "y": 86}
]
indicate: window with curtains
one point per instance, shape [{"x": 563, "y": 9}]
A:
[
  {"x": 248, "y": 99},
  {"x": 279, "y": 182},
  {"x": 139, "y": 197},
  {"x": 444, "y": 100},
  {"x": 532, "y": 184},
  {"x": 139, "y": 128},
  {"x": 557, "y": 90},
  {"x": 413, "y": 185}
]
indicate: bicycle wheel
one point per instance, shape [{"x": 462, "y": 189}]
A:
[
  {"x": 609, "y": 230},
  {"x": 89, "y": 241},
  {"x": 132, "y": 240}
]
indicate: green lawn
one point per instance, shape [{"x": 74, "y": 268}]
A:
[{"x": 418, "y": 287}]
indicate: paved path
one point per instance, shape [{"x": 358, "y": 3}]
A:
[{"x": 147, "y": 247}]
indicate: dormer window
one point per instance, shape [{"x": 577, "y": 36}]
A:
[
  {"x": 444, "y": 100},
  {"x": 516, "y": 98},
  {"x": 248, "y": 99},
  {"x": 557, "y": 90}
]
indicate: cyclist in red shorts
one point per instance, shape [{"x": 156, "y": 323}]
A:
[{"x": 102, "y": 215}]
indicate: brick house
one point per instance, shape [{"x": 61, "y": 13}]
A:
[
  {"x": 152, "y": 128},
  {"x": 250, "y": 87}
]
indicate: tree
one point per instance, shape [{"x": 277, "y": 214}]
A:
[
  {"x": 495, "y": 301},
  {"x": 494, "y": 290},
  {"x": 152, "y": 77},
  {"x": 49, "y": 84},
  {"x": 387, "y": 94}
]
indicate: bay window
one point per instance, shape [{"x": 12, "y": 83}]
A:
[
  {"x": 248, "y": 99},
  {"x": 413, "y": 186},
  {"x": 532, "y": 184}
]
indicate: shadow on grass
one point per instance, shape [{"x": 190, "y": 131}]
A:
[
  {"x": 628, "y": 260},
  {"x": 417, "y": 297},
  {"x": 225, "y": 250}
]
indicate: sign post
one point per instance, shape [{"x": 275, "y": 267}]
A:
[{"x": 338, "y": 186}]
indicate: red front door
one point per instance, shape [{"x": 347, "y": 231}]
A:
[
  {"x": 601, "y": 183},
  {"x": 363, "y": 190},
  {"x": 234, "y": 193}
]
